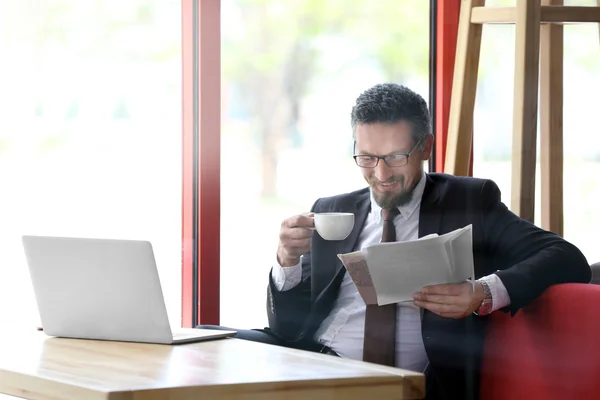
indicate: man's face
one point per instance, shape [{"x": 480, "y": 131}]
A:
[{"x": 391, "y": 186}]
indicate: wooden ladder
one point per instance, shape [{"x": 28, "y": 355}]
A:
[{"x": 538, "y": 47}]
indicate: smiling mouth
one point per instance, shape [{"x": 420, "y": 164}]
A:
[{"x": 387, "y": 185}]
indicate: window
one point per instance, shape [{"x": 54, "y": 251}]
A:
[
  {"x": 90, "y": 133},
  {"x": 291, "y": 72}
]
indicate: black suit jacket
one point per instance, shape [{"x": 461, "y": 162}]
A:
[{"x": 526, "y": 258}]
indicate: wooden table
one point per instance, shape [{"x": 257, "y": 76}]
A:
[{"x": 34, "y": 366}]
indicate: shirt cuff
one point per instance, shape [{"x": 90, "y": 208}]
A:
[
  {"x": 500, "y": 297},
  {"x": 286, "y": 278}
]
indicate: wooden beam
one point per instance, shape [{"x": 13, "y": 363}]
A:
[
  {"x": 551, "y": 124},
  {"x": 549, "y": 14},
  {"x": 485, "y": 15},
  {"x": 570, "y": 14},
  {"x": 525, "y": 112},
  {"x": 464, "y": 87}
]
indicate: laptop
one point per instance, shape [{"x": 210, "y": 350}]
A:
[{"x": 103, "y": 289}]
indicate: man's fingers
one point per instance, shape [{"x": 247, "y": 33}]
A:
[
  {"x": 296, "y": 234},
  {"x": 445, "y": 310},
  {"x": 297, "y": 243},
  {"x": 301, "y": 221},
  {"x": 438, "y": 299},
  {"x": 296, "y": 247},
  {"x": 450, "y": 289}
]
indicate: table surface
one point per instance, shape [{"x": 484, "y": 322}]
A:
[{"x": 35, "y": 366}]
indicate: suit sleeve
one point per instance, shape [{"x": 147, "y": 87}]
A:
[
  {"x": 288, "y": 310},
  {"x": 529, "y": 259}
]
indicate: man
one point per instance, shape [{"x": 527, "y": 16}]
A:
[{"x": 313, "y": 304}]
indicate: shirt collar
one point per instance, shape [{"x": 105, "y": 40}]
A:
[{"x": 406, "y": 210}]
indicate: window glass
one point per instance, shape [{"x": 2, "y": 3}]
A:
[
  {"x": 90, "y": 133},
  {"x": 291, "y": 73}
]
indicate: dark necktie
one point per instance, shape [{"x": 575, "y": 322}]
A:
[{"x": 380, "y": 321}]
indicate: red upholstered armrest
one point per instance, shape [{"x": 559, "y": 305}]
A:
[{"x": 548, "y": 350}]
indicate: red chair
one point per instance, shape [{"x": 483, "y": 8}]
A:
[{"x": 548, "y": 350}]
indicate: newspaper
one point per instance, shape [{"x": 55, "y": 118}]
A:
[{"x": 386, "y": 273}]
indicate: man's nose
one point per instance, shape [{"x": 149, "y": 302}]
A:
[{"x": 383, "y": 172}]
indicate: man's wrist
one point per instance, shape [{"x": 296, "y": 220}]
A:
[
  {"x": 487, "y": 302},
  {"x": 285, "y": 261}
]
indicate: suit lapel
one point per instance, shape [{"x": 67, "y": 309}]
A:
[{"x": 430, "y": 215}]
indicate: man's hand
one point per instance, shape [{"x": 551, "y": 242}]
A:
[
  {"x": 294, "y": 239},
  {"x": 455, "y": 300}
]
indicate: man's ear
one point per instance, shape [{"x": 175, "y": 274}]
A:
[{"x": 427, "y": 147}]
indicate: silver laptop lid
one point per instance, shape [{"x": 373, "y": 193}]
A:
[{"x": 97, "y": 288}]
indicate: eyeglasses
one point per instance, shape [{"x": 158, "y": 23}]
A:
[{"x": 392, "y": 160}]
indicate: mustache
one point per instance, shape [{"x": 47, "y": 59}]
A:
[{"x": 399, "y": 179}]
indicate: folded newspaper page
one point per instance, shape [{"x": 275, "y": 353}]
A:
[{"x": 356, "y": 265}]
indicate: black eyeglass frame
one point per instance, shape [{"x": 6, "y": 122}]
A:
[{"x": 385, "y": 159}]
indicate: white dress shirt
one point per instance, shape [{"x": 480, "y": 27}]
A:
[{"x": 343, "y": 329}]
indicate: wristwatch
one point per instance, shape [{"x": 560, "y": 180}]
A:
[{"x": 486, "y": 304}]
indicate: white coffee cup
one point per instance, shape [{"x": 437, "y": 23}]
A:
[{"x": 334, "y": 225}]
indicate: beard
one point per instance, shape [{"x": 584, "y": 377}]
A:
[{"x": 390, "y": 199}]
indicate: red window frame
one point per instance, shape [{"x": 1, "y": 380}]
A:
[{"x": 201, "y": 122}]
